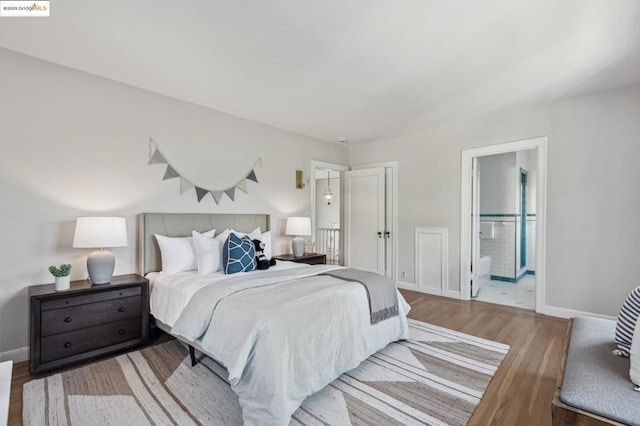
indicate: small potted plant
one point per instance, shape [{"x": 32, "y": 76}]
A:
[{"x": 62, "y": 276}]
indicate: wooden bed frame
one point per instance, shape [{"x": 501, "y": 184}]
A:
[
  {"x": 563, "y": 414},
  {"x": 181, "y": 225}
]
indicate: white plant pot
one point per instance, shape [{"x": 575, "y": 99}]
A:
[{"x": 63, "y": 283}]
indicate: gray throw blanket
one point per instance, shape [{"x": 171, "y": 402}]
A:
[{"x": 381, "y": 292}]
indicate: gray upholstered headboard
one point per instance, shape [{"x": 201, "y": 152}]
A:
[{"x": 181, "y": 225}]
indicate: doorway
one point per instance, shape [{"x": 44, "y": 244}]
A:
[
  {"x": 472, "y": 266},
  {"x": 327, "y": 202},
  {"x": 524, "y": 214},
  {"x": 502, "y": 271}
]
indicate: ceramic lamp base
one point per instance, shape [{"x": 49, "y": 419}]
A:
[
  {"x": 100, "y": 265},
  {"x": 297, "y": 246}
]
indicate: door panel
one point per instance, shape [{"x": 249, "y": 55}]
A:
[
  {"x": 475, "y": 226},
  {"x": 365, "y": 219},
  {"x": 388, "y": 243}
]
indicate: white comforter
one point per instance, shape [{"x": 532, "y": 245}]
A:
[{"x": 284, "y": 335}]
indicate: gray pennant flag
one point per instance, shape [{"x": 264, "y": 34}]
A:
[
  {"x": 201, "y": 193},
  {"x": 170, "y": 173},
  {"x": 185, "y": 185},
  {"x": 217, "y": 195},
  {"x": 242, "y": 185},
  {"x": 252, "y": 176},
  {"x": 231, "y": 192},
  {"x": 157, "y": 158}
]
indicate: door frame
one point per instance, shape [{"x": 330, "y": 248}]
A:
[
  {"x": 315, "y": 164},
  {"x": 541, "y": 211},
  {"x": 394, "y": 210}
]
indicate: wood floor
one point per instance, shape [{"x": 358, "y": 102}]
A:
[{"x": 522, "y": 389}]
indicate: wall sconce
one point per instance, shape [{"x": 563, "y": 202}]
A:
[{"x": 299, "y": 179}]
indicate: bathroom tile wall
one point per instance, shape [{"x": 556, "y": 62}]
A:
[{"x": 502, "y": 247}]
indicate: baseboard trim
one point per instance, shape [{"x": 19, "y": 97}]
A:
[
  {"x": 406, "y": 285},
  {"x": 15, "y": 355},
  {"x": 411, "y": 286},
  {"x": 570, "y": 313},
  {"x": 501, "y": 278},
  {"x": 452, "y": 294}
]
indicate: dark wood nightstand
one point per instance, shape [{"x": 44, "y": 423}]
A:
[
  {"x": 87, "y": 321},
  {"x": 308, "y": 258}
]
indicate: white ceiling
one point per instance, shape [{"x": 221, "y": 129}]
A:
[{"x": 360, "y": 69}]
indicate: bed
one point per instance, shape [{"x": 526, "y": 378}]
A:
[{"x": 281, "y": 334}]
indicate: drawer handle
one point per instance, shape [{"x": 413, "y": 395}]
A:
[
  {"x": 121, "y": 331},
  {"x": 121, "y": 310},
  {"x": 67, "y": 345},
  {"x": 67, "y": 319}
]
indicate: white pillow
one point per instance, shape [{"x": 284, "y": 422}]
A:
[
  {"x": 634, "y": 369},
  {"x": 222, "y": 237},
  {"x": 254, "y": 235},
  {"x": 208, "y": 253},
  {"x": 178, "y": 254}
]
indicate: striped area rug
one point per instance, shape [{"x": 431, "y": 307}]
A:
[{"x": 437, "y": 377}]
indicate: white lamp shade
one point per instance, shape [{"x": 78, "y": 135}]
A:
[
  {"x": 298, "y": 226},
  {"x": 99, "y": 232}
]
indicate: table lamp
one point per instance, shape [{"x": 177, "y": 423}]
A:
[
  {"x": 100, "y": 232},
  {"x": 299, "y": 227}
]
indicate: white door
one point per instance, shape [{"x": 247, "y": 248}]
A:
[
  {"x": 475, "y": 226},
  {"x": 365, "y": 219},
  {"x": 388, "y": 226}
]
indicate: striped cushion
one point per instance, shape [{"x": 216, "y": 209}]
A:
[{"x": 626, "y": 324}]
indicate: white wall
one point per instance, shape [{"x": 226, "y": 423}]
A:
[
  {"x": 75, "y": 144},
  {"x": 498, "y": 189},
  {"x": 593, "y": 233},
  {"x": 593, "y": 175},
  {"x": 498, "y": 183}
]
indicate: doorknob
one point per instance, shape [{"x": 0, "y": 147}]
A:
[
  {"x": 379, "y": 234},
  {"x": 387, "y": 234}
]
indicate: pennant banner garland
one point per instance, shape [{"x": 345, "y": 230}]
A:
[{"x": 156, "y": 157}]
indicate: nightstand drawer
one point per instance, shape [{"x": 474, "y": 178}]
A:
[
  {"x": 67, "y": 344},
  {"x": 98, "y": 296},
  {"x": 57, "y": 321}
]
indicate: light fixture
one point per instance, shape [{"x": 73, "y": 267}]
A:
[
  {"x": 100, "y": 232},
  {"x": 328, "y": 193},
  {"x": 299, "y": 179},
  {"x": 298, "y": 227}
]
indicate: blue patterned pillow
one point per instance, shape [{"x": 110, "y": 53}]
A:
[
  {"x": 238, "y": 254},
  {"x": 627, "y": 322}
]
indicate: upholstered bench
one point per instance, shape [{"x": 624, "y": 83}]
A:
[
  {"x": 594, "y": 386},
  {"x": 5, "y": 390}
]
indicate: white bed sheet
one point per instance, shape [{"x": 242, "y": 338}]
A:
[
  {"x": 170, "y": 293},
  {"x": 282, "y": 336}
]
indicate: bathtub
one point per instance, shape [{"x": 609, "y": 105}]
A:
[{"x": 483, "y": 274}]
